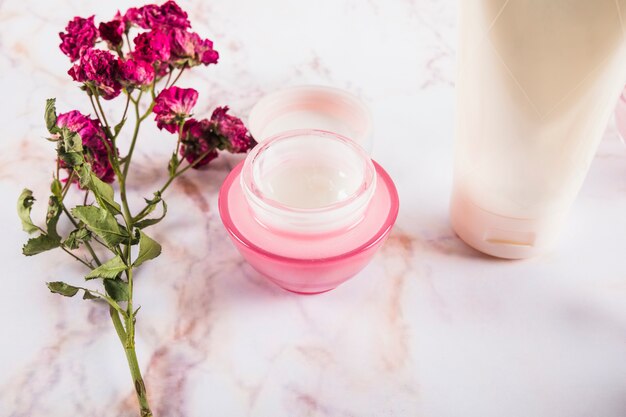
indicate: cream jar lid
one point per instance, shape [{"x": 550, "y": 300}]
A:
[{"x": 312, "y": 107}]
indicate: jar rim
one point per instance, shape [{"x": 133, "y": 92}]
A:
[{"x": 252, "y": 189}]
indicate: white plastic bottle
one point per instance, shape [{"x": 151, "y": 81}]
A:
[{"x": 537, "y": 82}]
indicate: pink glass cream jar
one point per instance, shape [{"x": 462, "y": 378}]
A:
[{"x": 308, "y": 209}]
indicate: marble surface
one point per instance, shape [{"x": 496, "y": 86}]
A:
[{"x": 430, "y": 328}]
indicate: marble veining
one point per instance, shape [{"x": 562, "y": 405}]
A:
[{"x": 431, "y": 328}]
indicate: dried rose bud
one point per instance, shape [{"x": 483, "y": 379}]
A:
[
  {"x": 93, "y": 138},
  {"x": 112, "y": 32},
  {"x": 205, "y": 52},
  {"x": 99, "y": 69},
  {"x": 233, "y": 134},
  {"x": 197, "y": 140},
  {"x": 172, "y": 106},
  {"x": 152, "y": 46},
  {"x": 151, "y": 16},
  {"x": 80, "y": 35},
  {"x": 188, "y": 49},
  {"x": 136, "y": 74}
]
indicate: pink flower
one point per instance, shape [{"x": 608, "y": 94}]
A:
[
  {"x": 153, "y": 46},
  {"x": 89, "y": 130},
  {"x": 151, "y": 16},
  {"x": 206, "y": 54},
  {"x": 99, "y": 69},
  {"x": 196, "y": 141},
  {"x": 80, "y": 34},
  {"x": 170, "y": 14},
  {"x": 113, "y": 31},
  {"x": 173, "y": 105},
  {"x": 224, "y": 132},
  {"x": 188, "y": 49},
  {"x": 182, "y": 47},
  {"x": 93, "y": 139},
  {"x": 233, "y": 134},
  {"x": 134, "y": 73},
  {"x": 134, "y": 16}
]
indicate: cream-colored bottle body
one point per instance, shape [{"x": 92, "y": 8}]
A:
[{"x": 537, "y": 82}]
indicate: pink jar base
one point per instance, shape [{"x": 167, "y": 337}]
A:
[{"x": 274, "y": 255}]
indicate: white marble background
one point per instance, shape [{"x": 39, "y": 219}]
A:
[{"x": 430, "y": 329}]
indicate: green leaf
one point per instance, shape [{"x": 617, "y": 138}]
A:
[
  {"x": 67, "y": 290},
  {"x": 76, "y": 238},
  {"x": 72, "y": 142},
  {"x": 148, "y": 249},
  {"x": 84, "y": 174},
  {"x": 157, "y": 197},
  {"x": 109, "y": 269},
  {"x": 102, "y": 191},
  {"x": 116, "y": 289},
  {"x": 39, "y": 244},
  {"x": 43, "y": 242},
  {"x": 70, "y": 148},
  {"x": 149, "y": 222},
  {"x": 173, "y": 164},
  {"x": 24, "y": 206},
  {"x": 52, "y": 218},
  {"x": 118, "y": 127},
  {"x": 70, "y": 158},
  {"x": 152, "y": 202},
  {"x": 51, "y": 116},
  {"x": 102, "y": 223},
  {"x": 88, "y": 295},
  {"x": 56, "y": 188},
  {"x": 62, "y": 288}
]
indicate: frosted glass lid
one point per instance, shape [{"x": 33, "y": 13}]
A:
[{"x": 312, "y": 107}]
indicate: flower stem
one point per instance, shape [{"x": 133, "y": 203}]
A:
[
  {"x": 180, "y": 136},
  {"x": 133, "y": 141},
  {"x": 143, "y": 213},
  {"x": 104, "y": 118},
  {"x": 126, "y": 333},
  {"x": 95, "y": 110},
  {"x": 125, "y": 328},
  {"x": 88, "y": 265},
  {"x": 133, "y": 365},
  {"x": 70, "y": 181},
  {"x": 178, "y": 76},
  {"x": 130, "y": 49},
  {"x": 140, "y": 387},
  {"x": 125, "y": 109},
  {"x": 123, "y": 174}
]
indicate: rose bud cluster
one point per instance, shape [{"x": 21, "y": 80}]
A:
[
  {"x": 164, "y": 42},
  {"x": 200, "y": 139},
  {"x": 146, "y": 48}
]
